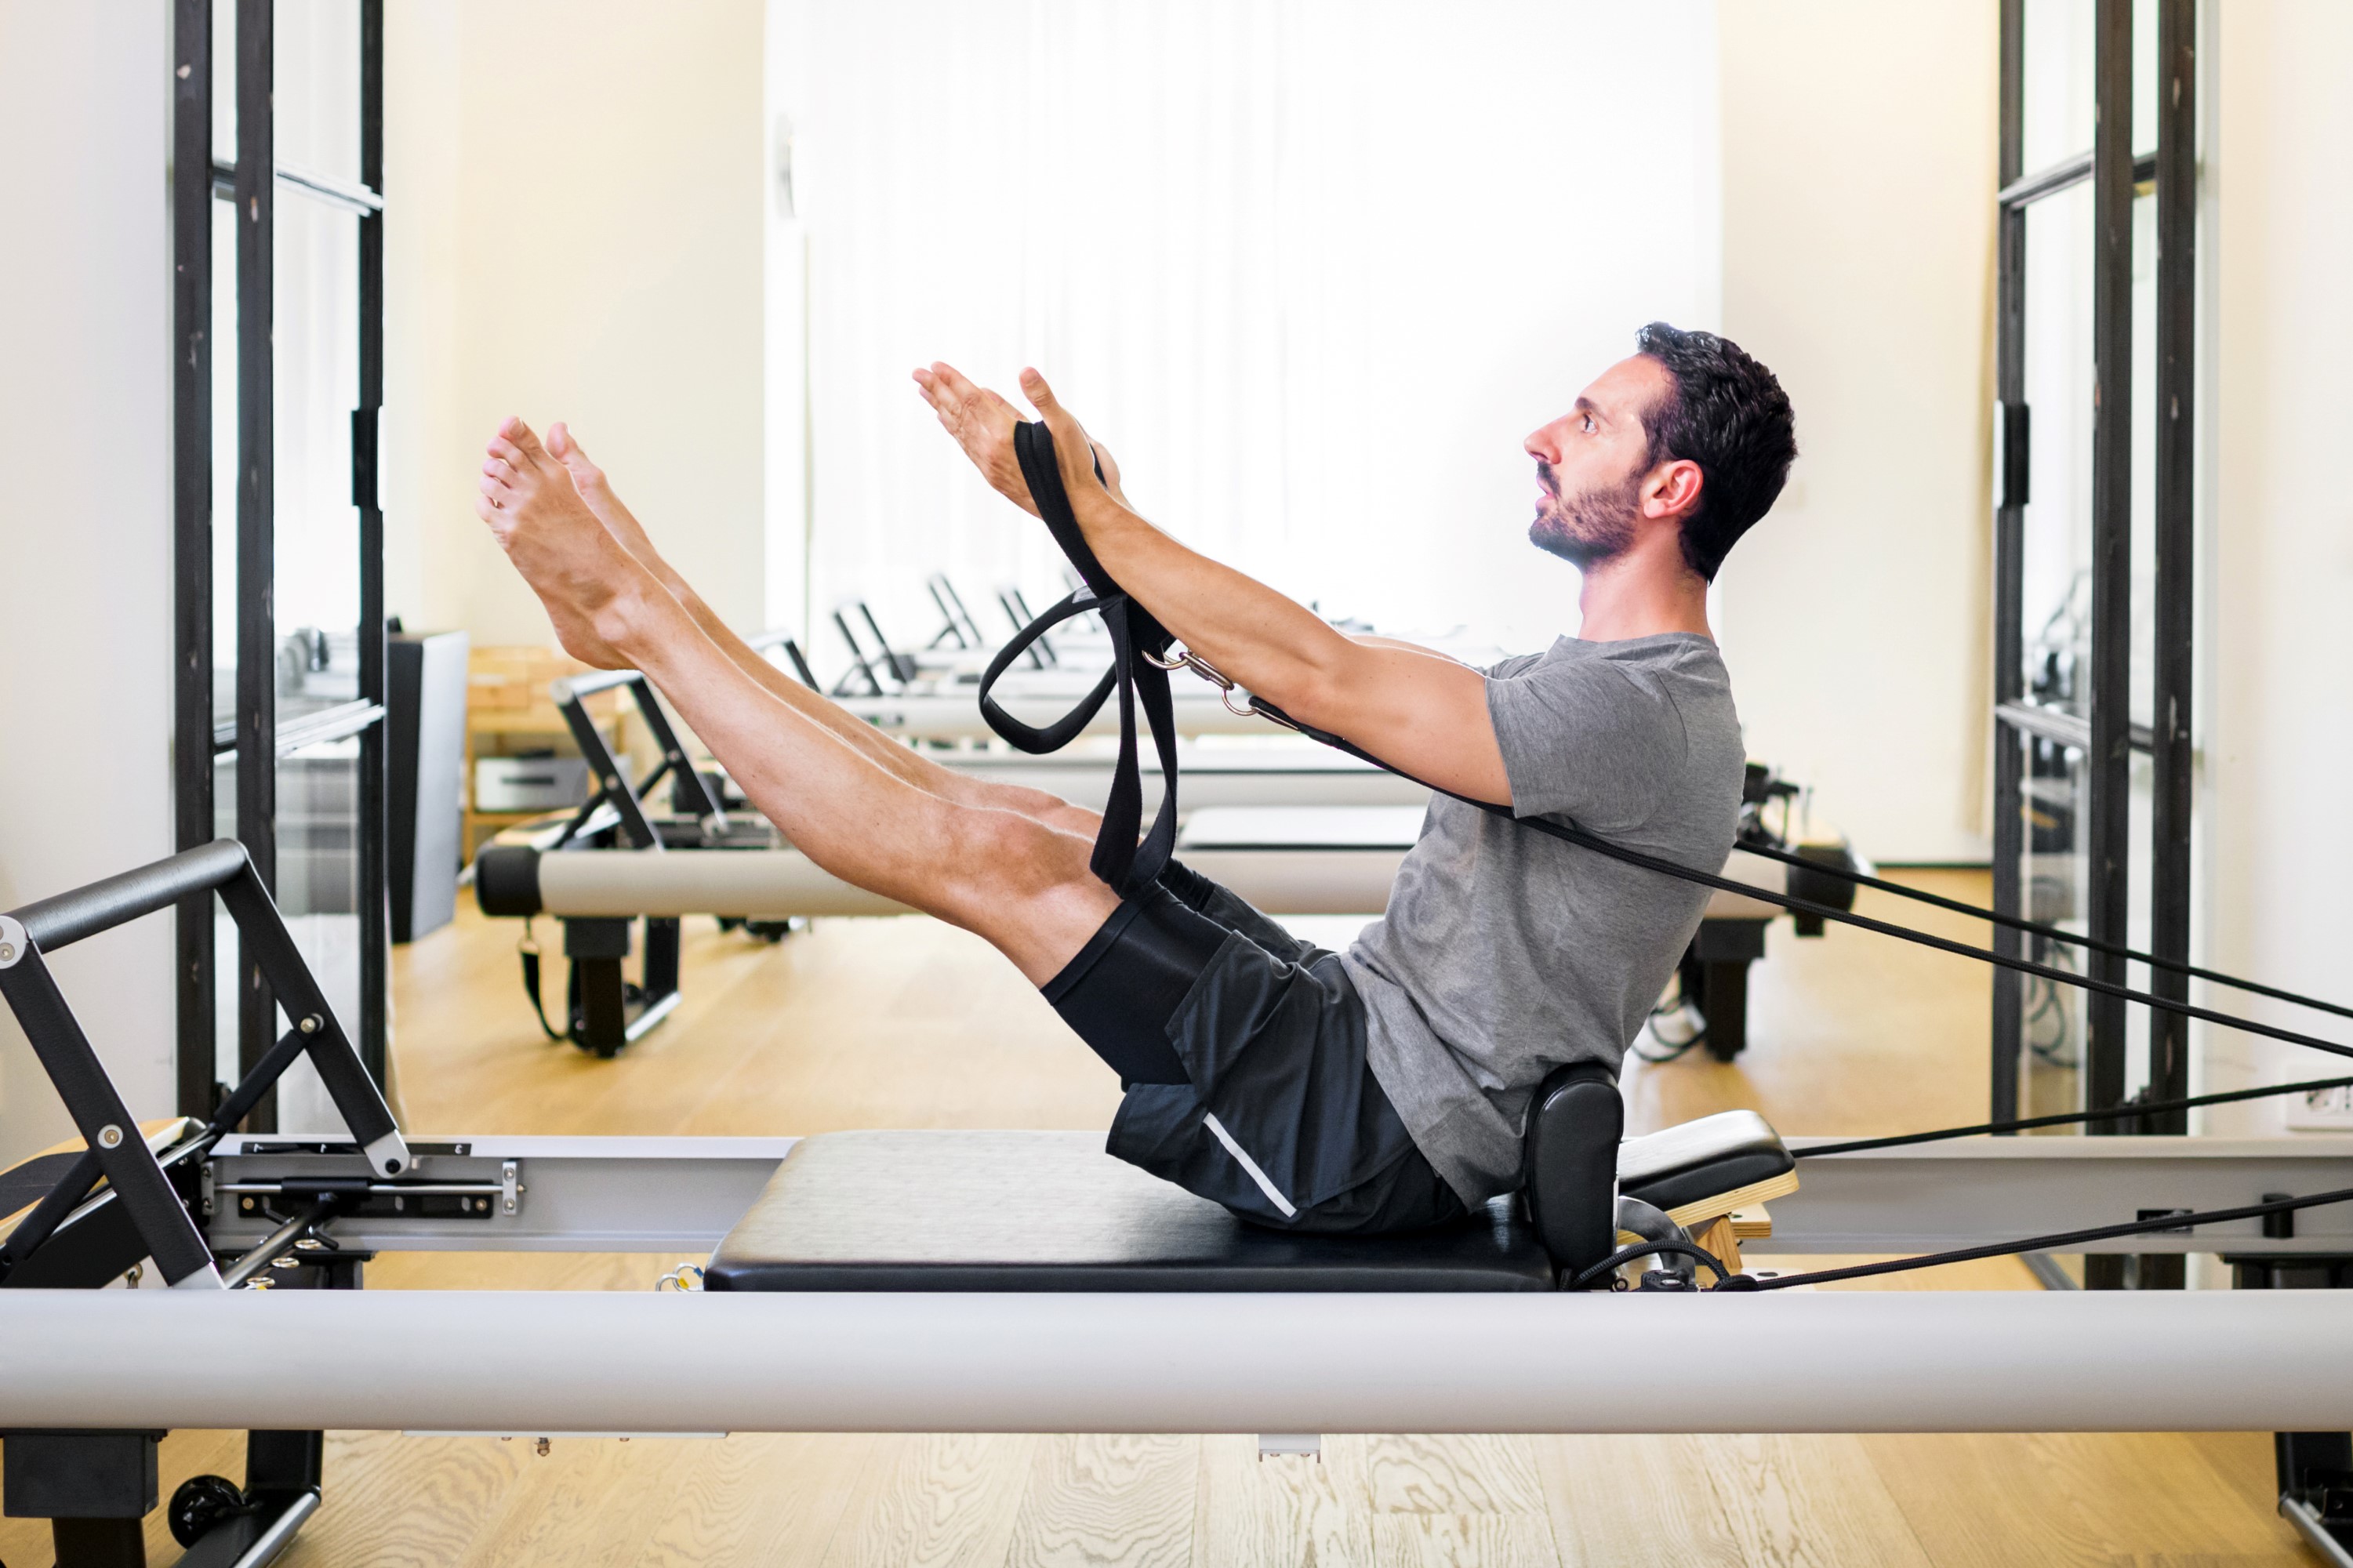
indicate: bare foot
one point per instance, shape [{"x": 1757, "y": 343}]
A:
[
  {"x": 592, "y": 586},
  {"x": 619, "y": 519}
]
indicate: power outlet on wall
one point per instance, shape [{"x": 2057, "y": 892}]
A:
[{"x": 2321, "y": 1110}]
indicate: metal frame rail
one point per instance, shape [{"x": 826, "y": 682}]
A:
[{"x": 120, "y": 1201}]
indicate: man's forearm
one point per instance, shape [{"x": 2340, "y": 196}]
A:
[{"x": 1262, "y": 639}]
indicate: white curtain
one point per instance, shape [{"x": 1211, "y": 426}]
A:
[{"x": 1311, "y": 269}]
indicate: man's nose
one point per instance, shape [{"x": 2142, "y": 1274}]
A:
[{"x": 1539, "y": 446}]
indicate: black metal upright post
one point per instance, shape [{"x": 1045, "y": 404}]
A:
[
  {"x": 375, "y": 827},
  {"x": 2008, "y": 557},
  {"x": 2107, "y": 767},
  {"x": 257, "y": 631},
  {"x": 192, "y": 537},
  {"x": 2177, "y": 327},
  {"x": 2176, "y": 547}
]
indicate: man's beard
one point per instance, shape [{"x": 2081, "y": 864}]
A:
[{"x": 1586, "y": 530}]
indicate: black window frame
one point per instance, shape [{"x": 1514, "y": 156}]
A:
[
  {"x": 2107, "y": 738},
  {"x": 251, "y": 181}
]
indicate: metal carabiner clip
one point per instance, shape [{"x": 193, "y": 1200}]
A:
[{"x": 1190, "y": 661}]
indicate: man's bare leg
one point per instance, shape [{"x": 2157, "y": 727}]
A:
[
  {"x": 596, "y": 492},
  {"x": 1022, "y": 884}
]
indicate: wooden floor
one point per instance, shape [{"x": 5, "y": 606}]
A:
[{"x": 904, "y": 1022}]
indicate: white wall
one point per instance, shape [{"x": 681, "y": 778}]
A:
[
  {"x": 1859, "y": 176},
  {"x": 574, "y": 191},
  {"x": 86, "y": 518},
  {"x": 1312, "y": 270},
  {"x": 2277, "y": 700}
]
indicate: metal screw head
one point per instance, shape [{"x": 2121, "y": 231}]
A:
[
  {"x": 13, "y": 943},
  {"x": 7, "y": 952},
  {"x": 309, "y": 1025},
  {"x": 110, "y": 1136}
]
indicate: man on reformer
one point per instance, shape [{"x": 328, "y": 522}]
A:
[{"x": 1383, "y": 1088}]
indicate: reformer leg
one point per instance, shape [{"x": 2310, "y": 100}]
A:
[
  {"x": 597, "y": 990},
  {"x": 1721, "y": 954},
  {"x": 2314, "y": 1468},
  {"x": 94, "y": 1488}
]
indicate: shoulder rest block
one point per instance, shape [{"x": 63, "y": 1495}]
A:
[{"x": 1695, "y": 1160}]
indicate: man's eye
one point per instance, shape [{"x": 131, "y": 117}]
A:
[{"x": 1589, "y": 423}]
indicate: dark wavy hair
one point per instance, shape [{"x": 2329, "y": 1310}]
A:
[{"x": 1728, "y": 414}]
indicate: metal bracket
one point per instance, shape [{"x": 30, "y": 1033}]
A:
[{"x": 13, "y": 943}]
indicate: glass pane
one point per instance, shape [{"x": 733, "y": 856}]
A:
[
  {"x": 2144, "y": 461},
  {"x": 317, "y": 362},
  {"x": 225, "y": 988},
  {"x": 2140, "y": 803},
  {"x": 2145, "y": 75},
  {"x": 317, "y": 894},
  {"x": 223, "y": 413},
  {"x": 318, "y": 897},
  {"x": 2059, "y": 109},
  {"x": 316, "y": 98},
  {"x": 2054, "y": 878},
  {"x": 224, "y": 81},
  {"x": 2056, "y": 602}
]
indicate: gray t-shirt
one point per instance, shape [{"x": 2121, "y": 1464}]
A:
[{"x": 1505, "y": 952}]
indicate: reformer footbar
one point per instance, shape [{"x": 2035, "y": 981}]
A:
[{"x": 1126, "y": 868}]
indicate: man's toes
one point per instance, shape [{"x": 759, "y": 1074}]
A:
[
  {"x": 518, "y": 434},
  {"x": 565, "y": 449}
]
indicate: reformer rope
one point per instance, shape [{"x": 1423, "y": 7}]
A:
[
  {"x": 2124, "y": 1112},
  {"x": 2058, "y": 1241},
  {"x": 2037, "y": 928},
  {"x": 1135, "y": 632},
  {"x": 1126, "y": 866}
]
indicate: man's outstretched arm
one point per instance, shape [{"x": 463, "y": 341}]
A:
[{"x": 1415, "y": 710}]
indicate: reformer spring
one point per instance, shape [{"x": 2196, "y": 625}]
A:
[{"x": 1121, "y": 861}]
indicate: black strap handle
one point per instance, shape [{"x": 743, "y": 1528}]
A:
[{"x": 1119, "y": 859}]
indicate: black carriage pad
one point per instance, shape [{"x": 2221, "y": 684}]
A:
[
  {"x": 937, "y": 1210},
  {"x": 1700, "y": 1170}
]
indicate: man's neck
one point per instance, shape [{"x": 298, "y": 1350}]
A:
[{"x": 1639, "y": 596}]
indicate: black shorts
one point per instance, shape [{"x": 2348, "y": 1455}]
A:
[{"x": 1272, "y": 1109}]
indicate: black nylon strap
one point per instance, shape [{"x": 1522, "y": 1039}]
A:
[
  {"x": 1119, "y": 859},
  {"x": 1035, "y": 447},
  {"x": 529, "y": 948}
]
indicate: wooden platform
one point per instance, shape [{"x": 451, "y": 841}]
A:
[{"x": 904, "y": 1022}]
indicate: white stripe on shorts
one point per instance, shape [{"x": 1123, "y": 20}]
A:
[{"x": 1272, "y": 1196}]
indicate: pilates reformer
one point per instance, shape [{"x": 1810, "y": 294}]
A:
[
  {"x": 983, "y": 1280},
  {"x": 1284, "y": 859},
  {"x": 1252, "y": 827}
]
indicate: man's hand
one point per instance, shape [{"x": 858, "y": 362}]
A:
[{"x": 982, "y": 423}]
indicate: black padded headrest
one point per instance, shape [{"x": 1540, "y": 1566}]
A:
[{"x": 1702, "y": 1158}]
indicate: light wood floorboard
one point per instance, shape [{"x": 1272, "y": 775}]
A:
[{"x": 905, "y": 1023}]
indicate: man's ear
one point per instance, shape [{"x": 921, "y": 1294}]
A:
[{"x": 1671, "y": 490}]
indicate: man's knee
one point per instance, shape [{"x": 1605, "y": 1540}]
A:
[{"x": 1008, "y": 855}]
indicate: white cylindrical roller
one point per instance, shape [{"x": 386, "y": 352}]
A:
[
  {"x": 1303, "y": 881},
  {"x": 952, "y": 1361},
  {"x": 957, "y": 717},
  {"x": 779, "y": 883},
  {"x": 754, "y": 883}
]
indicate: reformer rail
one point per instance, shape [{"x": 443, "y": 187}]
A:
[{"x": 580, "y": 1361}]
